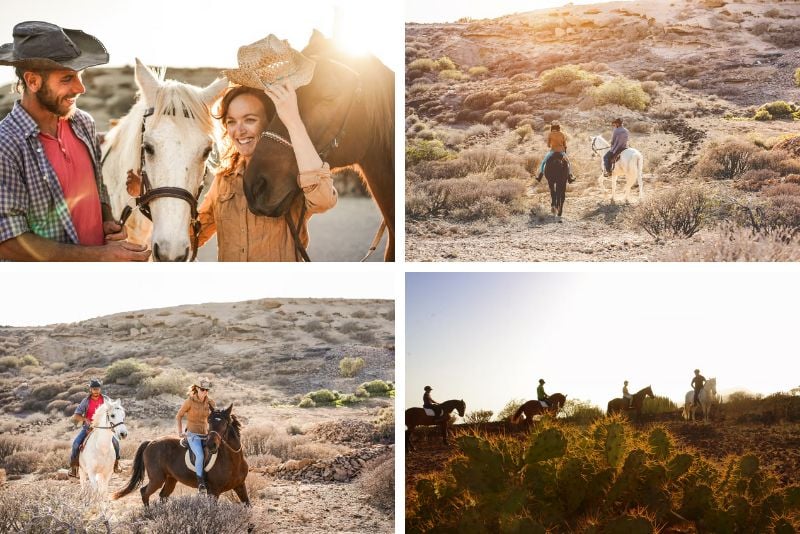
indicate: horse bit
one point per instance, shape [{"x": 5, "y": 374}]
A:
[
  {"x": 148, "y": 193},
  {"x": 111, "y": 426}
]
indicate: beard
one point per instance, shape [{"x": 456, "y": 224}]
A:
[{"x": 52, "y": 103}]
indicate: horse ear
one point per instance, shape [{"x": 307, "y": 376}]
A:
[
  {"x": 147, "y": 82},
  {"x": 210, "y": 94},
  {"x": 229, "y": 409}
]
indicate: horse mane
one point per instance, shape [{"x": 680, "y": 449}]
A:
[
  {"x": 173, "y": 99},
  {"x": 235, "y": 426},
  {"x": 101, "y": 410}
]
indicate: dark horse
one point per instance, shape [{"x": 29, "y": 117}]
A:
[
  {"x": 534, "y": 407},
  {"x": 163, "y": 459},
  {"x": 557, "y": 172},
  {"x": 621, "y": 405},
  {"x": 348, "y": 110},
  {"x": 417, "y": 417}
]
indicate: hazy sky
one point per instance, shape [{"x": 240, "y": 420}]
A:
[
  {"x": 489, "y": 337},
  {"x": 58, "y": 293},
  {"x": 452, "y": 10},
  {"x": 209, "y": 33}
]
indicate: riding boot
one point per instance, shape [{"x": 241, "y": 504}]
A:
[
  {"x": 117, "y": 468},
  {"x": 201, "y": 484},
  {"x": 571, "y": 178},
  {"x": 74, "y": 465}
]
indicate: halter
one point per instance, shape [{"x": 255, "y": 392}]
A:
[
  {"x": 595, "y": 150},
  {"x": 223, "y": 440},
  {"x": 148, "y": 193},
  {"x": 111, "y": 426}
]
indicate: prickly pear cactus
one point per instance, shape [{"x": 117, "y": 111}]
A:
[
  {"x": 627, "y": 524},
  {"x": 679, "y": 466},
  {"x": 660, "y": 443},
  {"x": 615, "y": 444},
  {"x": 549, "y": 444}
]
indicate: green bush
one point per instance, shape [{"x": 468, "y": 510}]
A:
[
  {"x": 305, "y": 402},
  {"x": 378, "y": 388},
  {"x": 778, "y": 109},
  {"x": 606, "y": 478},
  {"x": 797, "y": 76},
  {"x": 478, "y": 416},
  {"x": 523, "y": 132},
  {"x": 762, "y": 115},
  {"x": 563, "y": 76},
  {"x": 659, "y": 404},
  {"x": 322, "y": 396},
  {"x": 452, "y": 74},
  {"x": 509, "y": 409},
  {"x": 423, "y": 64},
  {"x": 623, "y": 92},
  {"x": 128, "y": 371},
  {"x": 172, "y": 382},
  {"x": 350, "y": 367},
  {"x": 29, "y": 359},
  {"x": 9, "y": 362},
  {"x": 481, "y": 71},
  {"x": 425, "y": 150},
  {"x": 445, "y": 63}
]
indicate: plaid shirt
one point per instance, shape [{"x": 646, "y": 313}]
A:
[{"x": 31, "y": 199}]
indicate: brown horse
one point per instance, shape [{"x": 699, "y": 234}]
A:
[
  {"x": 348, "y": 110},
  {"x": 163, "y": 459},
  {"x": 417, "y": 417},
  {"x": 622, "y": 405},
  {"x": 534, "y": 407}
]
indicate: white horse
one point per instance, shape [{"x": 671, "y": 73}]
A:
[
  {"x": 97, "y": 457},
  {"x": 706, "y": 398},
  {"x": 174, "y": 142},
  {"x": 630, "y": 165}
]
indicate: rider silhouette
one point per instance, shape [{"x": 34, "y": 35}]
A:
[
  {"x": 619, "y": 142},
  {"x": 627, "y": 395},
  {"x": 697, "y": 384},
  {"x": 428, "y": 402},
  {"x": 541, "y": 395}
]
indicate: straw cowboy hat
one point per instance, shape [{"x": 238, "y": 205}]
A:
[
  {"x": 203, "y": 383},
  {"x": 268, "y": 61},
  {"x": 42, "y": 45}
]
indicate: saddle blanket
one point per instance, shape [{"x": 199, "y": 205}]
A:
[
  {"x": 544, "y": 404},
  {"x": 430, "y": 412},
  {"x": 209, "y": 461}
]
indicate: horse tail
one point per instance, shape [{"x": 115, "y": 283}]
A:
[
  {"x": 138, "y": 472},
  {"x": 516, "y": 417}
]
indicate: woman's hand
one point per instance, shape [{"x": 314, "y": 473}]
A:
[{"x": 284, "y": 96}]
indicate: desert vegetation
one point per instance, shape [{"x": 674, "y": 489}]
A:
[{"x": 710, "y": 129}]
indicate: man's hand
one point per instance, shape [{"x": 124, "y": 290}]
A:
[
  {"x": 124, "y": 251},
  {"x": 114, "y": 231}
]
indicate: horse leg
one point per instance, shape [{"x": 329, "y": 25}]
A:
[
  {"x": 561, "y": 194},
  {"x": 241, "y": 492},
  {"x": 152, "y": 486},
  {"x": 613, "y": 186},
  {"x": 168, "y": 488},
  {"x": 551, "y": 184},
  {"x": 377, "y": 172},
  {"x": 444, "y": 432},
  {"x": 409, "y": 445}
]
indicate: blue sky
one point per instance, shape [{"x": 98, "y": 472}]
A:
[{"x": 489, "y": 337}]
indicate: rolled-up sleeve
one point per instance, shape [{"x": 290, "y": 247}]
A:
[
  {"x": 318, "y": 189},
  {"x": 205, "y": 214},
  {"x": 13, "y": 199}
]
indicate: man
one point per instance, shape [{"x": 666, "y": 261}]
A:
[
  {"x": 541, "y": 396},
  {"x": 627, "y": 395},
  {"x": 83, "y": 415},
  {"x": 53, "y": 204},
  {"x": 429, "y": 403},
  {"x": 697, "y": 384},
  {"x": 556, "y": 142},
  {"x": 619, "y": 142}
]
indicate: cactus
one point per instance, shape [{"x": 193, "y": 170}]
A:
[
  {"x": 660, "y": 443},
  {"x": 791, "y": 498},
  {"x": 615, "y": 444},
  {"x": 549, "y": 444},
  {"x": 748, "y": 465},
  {"x": 628, "y": 524},
  {"x": 783, "y": 526},
  {"x": 679, "y": 465}
]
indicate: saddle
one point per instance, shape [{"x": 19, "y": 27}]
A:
[
  {"x": 85, "y": 440},
  {"x": 430, "y": 411},
  {"x": 208, "y": 460},
  {"x": 544, "y": 404}
]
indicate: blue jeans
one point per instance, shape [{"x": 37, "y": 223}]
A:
[
  {"x": 76, "y": 444},
  {"x": 547, "y": 156},
  {"x": 197, "y": 448},
  {"x": 607, "y": 157}
]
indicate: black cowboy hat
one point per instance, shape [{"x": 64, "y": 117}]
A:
[
  {"x": 42, "y": 45},
  {"x": 95, "y": 383}
]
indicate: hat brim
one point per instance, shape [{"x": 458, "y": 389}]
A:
[
  {"x": 302, "y": 76},
  {"x": 93, "y": 53}
]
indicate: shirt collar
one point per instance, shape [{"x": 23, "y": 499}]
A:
[{"x": 23, "y": 120}]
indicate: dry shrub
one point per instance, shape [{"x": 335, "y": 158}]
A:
[
  {"x": 726, "y": 159},
  {"x": 481, "y": 100},
  {"x": 452, "y": 74},
  {"x": 786, "y": 37},
  {"x": 484, "y": 160},
  {"x": 550, "y": 116},
  {"x": 477, "y": 130},
  {"x": 518, "y": 108},
  {"x": 510, "y": 172},
  {"x": 515, "y": 97},
  {"x": 657, "y": 77},
  {"x": 377, "y": 481},
  {"x": 623, "y": 92},
  {"x": 650, "y": 87},
  {"x": 350, "y": 367},
  {"x": 311, "y": 450},
  {"x": 350, "y": 327},
  {"x": 424, "y": 150},
  {"x": 495, "y": 116},
  {"x": 171, "y": 381},
  {"x": 562, "y": 76},
  {"x": 58, "y": 406},
  {"x": 438, "y": 170},
  {"x": 2, "y": 477},
  {"x": 478, "y": 71},
  {"x": 675, "y": 213},
  {"x": 737, "y": 244},
  {"x": 754, "y": 180},
  {"x": 196, "y": 514},
  {"x": 47, "y": 507},
  {"x": 267, "y": 439},
  {"x": 22, "y": 462},
  {"x": 366, "y": 336},
  {"x": 129, "y": 371},
  {"x": 422, "y": 64},
  {"x": 693, "y": 84}
]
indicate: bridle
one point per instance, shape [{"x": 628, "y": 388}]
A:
[
  {"x": 595, "y": 150},
  {"x": 148, "y": 193},
  {"x": 323, "y": 154},
  {"x": 223, "y": 440},
  {"x": 111, "y": 426}
]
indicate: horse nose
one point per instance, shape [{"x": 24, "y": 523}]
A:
[
  {"x": 159, "y": 254},
  {"x": 123, "y": 434}
]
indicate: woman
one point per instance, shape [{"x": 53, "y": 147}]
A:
[
  {"x": 245, "y": 112},
  {"x": 556, "y": 142},
  {"x": 196, "y": 408}
]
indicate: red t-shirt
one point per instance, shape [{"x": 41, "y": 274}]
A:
[
  {"x": 70, "y": 159},
  {"x": 93, "y": 404}
]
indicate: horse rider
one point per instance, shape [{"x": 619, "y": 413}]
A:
[
  {"x": 619, "y": 142},
  {"x": 626, "y": 394},
  {"x": 556, "y": 142},
  {"x": 429, "y": 403},
  {"x": 84, "y": 414},
  {"x": 196, "y": 408},
  {"x": 541, "y": 396},
  {"x": 697, "y": 384}
]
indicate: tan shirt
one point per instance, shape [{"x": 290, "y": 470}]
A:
[
  {"x": 557, "y": 141},
  {"x": 196, "y": 413},
  {"x": 244, "y": 236}
]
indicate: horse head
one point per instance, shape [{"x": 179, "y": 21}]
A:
[
  {"x": 598, "y": 143},
  {"x": 461, "y": 407},
  {"x": 116, "y": 418},
  {"x": 172, "y": 139},
  {"x": 648, "y": 392},
  {"x": 711, "y": 384},
  {"x": 220, "y": 422}
]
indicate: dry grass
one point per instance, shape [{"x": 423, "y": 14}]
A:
[{"x": 377, "y": 481}]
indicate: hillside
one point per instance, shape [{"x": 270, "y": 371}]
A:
[
  {"x": 263, "y": 356},
  {"x": 684, "y": 76}
]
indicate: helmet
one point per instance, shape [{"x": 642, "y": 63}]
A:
[
  {"x": 541, "y": 380},
  {"x": 626, "y": 382},
  {"x": 428, "y": 388},
  {"x": 95, "y": 383},
  {"x": 697, "y": 371}
]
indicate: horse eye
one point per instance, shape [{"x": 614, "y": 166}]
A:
[
  {"x": 149, "y": 149},
  {"x": 206, "y": 153}
]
